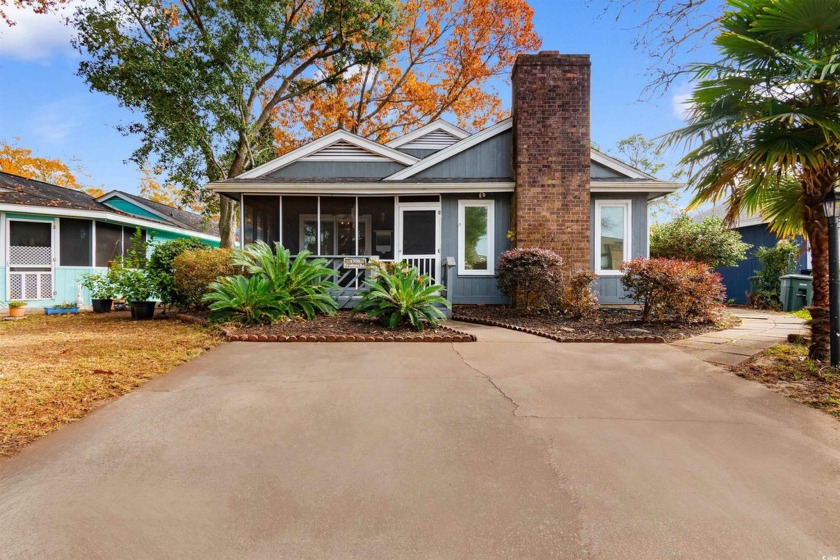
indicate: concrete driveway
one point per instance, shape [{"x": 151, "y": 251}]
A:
[{"x": 512, "y": 447}]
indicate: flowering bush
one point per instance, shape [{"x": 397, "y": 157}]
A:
[
  {"x": 578, "y": 299},
  {"x": 530, "y": 277},
  {"x": 683, "y": 291}
]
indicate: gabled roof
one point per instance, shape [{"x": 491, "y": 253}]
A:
[
  {"x": 336, "y": 146},
  {"x": 170, "y": 214},
  {"x": 454, "y": 149},
  {"x": 436, "y": 135},
  {"x": 619, "y": 166}
]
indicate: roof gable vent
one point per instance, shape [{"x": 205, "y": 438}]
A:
[
  {"x": 343, "y": 151},
  {"x": 434, "y": 140}
]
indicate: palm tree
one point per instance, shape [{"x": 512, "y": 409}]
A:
[{"x": 764, "y": 126}]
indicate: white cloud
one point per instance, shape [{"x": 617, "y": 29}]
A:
[
  {"x": 36, "y": 36},
  {"x": 56, "y": 122},
  {"x": 680, "y": 104}
]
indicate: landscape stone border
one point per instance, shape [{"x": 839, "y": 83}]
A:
[
  {"x": 451, "y": 335},
  {"x": 559, "y": 338}
]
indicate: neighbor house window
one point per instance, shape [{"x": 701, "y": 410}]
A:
[
  {"x": 475, "y": 237},
  {"x": 74, "y": 242},
  {"x": 612, "y": 235}
]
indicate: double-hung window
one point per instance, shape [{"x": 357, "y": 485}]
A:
[
  {"x": 612, "y": 235},
  {"x": 476, "y": 232}
]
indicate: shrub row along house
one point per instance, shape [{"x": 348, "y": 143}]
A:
[
  {"x": 450, "y": 202},
  {"x": 51, "y": 236}
]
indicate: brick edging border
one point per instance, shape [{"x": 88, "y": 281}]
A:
[
  {"x": 452, "y": 336},
  {"x": 559, "y": 338}
]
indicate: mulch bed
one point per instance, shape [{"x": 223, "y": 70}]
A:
[
  {"x": 341, "y": 328},
  {"x": 786, "y": 369},
  {"x": 609, "y": 325}
]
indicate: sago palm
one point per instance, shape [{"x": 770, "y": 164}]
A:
[{"x": 764, "y": 125}]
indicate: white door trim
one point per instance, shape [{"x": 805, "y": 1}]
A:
[{"x": 402, "y": 207}]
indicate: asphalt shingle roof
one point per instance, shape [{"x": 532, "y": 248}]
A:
[{"x": 30, "y": 192}]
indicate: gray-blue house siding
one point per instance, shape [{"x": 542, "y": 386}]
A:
[{"x": 343, "y": 167}]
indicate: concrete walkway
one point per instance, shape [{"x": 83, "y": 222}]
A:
[
  {"x": 758, "y": 331},
  {"x": 510, "y": 447}
]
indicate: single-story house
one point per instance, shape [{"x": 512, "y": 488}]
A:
[
  {"x": 755, "y": 230},
  {"x": 450, "y": 202},
  {"x": 50, "y": 236}
]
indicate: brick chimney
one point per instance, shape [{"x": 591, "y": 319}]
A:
[{"x": 551, "y": 153}]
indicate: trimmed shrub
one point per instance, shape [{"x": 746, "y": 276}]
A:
[
  {"x": 195, "y": 270},
  {"x": 578, "y": 300},
  {"x": 302, "y": 285},
  {"x": 709, "y": 242},
  {"x": 161, "y": 270},
  {"x": 398, "y": 293},
  {"x": 775, "y": 263},
  {"x": 670, "y": 289},
  {"x": 530, "y": 277}
]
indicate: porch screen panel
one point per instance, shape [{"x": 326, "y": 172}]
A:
[
  {"x": 261, "y": 219},
  {"x": 74, "y": 241},
  {"x": 338, "y": 225},
  {"x": 109, "y": 238},
  {"x": 419, "y": 232},
  {"x": 300, "y": 223},
  {"x": 128, "y": 239},
  {"x": 376, "y": 226}
]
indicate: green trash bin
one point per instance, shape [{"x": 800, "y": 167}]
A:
[{"x": 797, "y": 291}]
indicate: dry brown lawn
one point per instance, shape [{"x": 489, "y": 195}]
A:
[
  {"x": 786, "y": 369},
  {"x": 54, "y": 370}
]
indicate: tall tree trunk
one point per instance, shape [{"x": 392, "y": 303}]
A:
[
  {"x": 227, "y": 207},
  {"x": 227, "y": 222},
  {"x": 816, "y": 184},
  {"x": 817, "y": 231}
]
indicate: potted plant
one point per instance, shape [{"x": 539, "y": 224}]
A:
[
  {"x": 16, "y": 308},
  {"x": 62, "y": 309},
  {"x": 136, "y": 287},
  {"x": 101, "y": 287}
]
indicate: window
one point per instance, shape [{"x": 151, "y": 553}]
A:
[
  {"x": 612, "y": 235},
  {"x": 475, "y": 237},
  {"x": 74, "y": 242}
]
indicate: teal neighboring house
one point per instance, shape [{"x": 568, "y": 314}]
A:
[{"x": 50, "y": 236}]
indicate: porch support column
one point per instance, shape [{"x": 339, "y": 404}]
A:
[{"x": 241, "y": 220}]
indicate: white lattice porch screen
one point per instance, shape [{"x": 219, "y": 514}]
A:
[{"x": 30, "y": 256}]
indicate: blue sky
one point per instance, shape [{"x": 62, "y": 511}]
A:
[{"x": 50, "y": 109}]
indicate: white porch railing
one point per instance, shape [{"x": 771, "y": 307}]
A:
[{"x": 350, "y": 280}]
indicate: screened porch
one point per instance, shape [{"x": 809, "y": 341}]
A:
[{"x": 349, "y": 231}]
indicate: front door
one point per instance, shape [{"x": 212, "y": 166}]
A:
[
  {"x": 30, "y": 259},
  {"x": 419, "y": 237}
]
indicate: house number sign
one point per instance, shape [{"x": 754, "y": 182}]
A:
[{"x": 355, "y": 262}]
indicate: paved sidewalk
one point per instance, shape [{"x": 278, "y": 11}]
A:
[{"x": 758, "y": 330}]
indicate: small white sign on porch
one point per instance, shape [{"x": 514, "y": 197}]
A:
[{"x": 355, "y": 262}]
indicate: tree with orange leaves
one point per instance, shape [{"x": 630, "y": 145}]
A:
[
  {"x": 37, "y": 6},
  {"x": 443, "y": 55},
  {"x": 19, "y": 161},
  {"x": 166, "y": 193}
]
